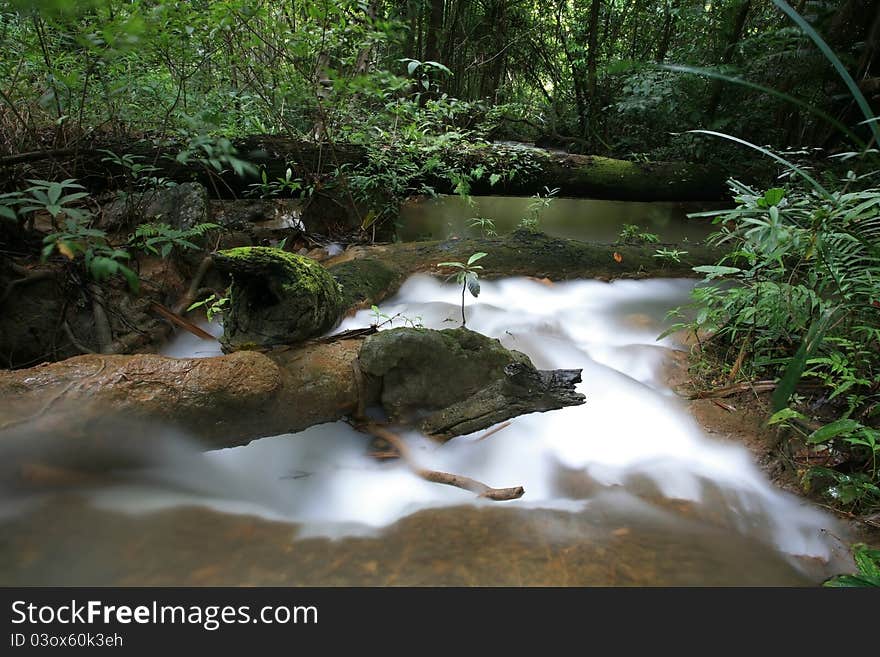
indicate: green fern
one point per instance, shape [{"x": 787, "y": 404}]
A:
[{"x": 161, "y": 239}]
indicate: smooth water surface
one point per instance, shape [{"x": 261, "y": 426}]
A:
[{"x": 573, "y": 218}]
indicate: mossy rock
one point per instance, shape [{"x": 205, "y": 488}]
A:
[
  {"x": 276, "y": 298},
  {"x": 365, "y": 279},
  {"x": 423, "y": 370}
]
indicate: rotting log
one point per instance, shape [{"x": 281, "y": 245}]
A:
[
  {"x": 227, "y": 401},
  {"x": 369, "y": 274},
  {"x": 578, "y": 176}
]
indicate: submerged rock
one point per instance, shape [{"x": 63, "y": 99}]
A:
[{"x": 276, "y": 298}]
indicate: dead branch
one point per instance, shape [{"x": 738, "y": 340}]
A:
[
  {"x": 493, "y": 430},
  {"x": 449, "y": 479},
  {"x": 183, "y": 323}
]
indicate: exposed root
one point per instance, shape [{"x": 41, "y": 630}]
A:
[
  {"x": 747, "y": 386},
  {"x": 449, "y": 479},
  {"x": 29, "y": 278},
  {"x": 103, "y": 332},
  {"x": 74, "y": 340}
]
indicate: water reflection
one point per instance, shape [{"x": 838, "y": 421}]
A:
[{"x": 583, "y": 219}]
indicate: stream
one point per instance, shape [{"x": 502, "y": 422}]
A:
[{"x": 623, "y": 490}]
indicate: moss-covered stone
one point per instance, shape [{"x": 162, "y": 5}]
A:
[
  {"x": 424, "y": 370},
  {"x": 365, "y": 280},
  {"x": 276, "y": 298}
]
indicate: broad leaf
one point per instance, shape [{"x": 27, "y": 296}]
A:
[
  {"x": 714, "y": 271},
  {"x": 832, "y": 430}
]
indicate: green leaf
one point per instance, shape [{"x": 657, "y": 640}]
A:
[
  {"x": 412, "y": 66},
  {"x": 868, "y": 560},
  {"x": 709, "y": 73},
  {"x": 451, "y": 264},
  {"x": 473, "y": 284},
  {"x": 7, "y": 212},
  {"x": 835, "y": 62},
  {"x": 494, "y": 178},
  {"x": 832, "y": 430},
  {"x": 784, "y": 415},
  {"x": 795, "y": 367},
  {"x": 851, "y": 581},
  {"x": 803, "y": 174},
  {"x": 54, "y": 193},
  {"x": 476, "y": 257},
  {"x": 714, "y": 271},
  {"x": 774, "y": 195},
  {"x": 131, "y": 278}
]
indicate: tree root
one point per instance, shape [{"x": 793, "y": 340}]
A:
[
  {"x": 34, "y": 277},
  {"x": 449, "y": 479}
]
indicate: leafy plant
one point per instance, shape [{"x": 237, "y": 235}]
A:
[
  {"x": 271, "y": 188},
  {"x": 161, "y": 239},
  {"x": 467, "y": 276},
  {"x": 669, "y": 255},
  {"x": 54, "y": 198},
  {"x": 633, "y": 234},
  {"x": 100, "y": 259},
  {"x": 380, "y": 318},
  {"x": 539, "y": 203},
  {"x": 216, "y": 154},
  {"x": 868, "y": 564},
  {"x": 485, "y": 226},
  {"x": 138, "y": 174},
  {"x": 213, "y": 306}
]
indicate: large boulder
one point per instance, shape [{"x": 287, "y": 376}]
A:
[
  {"x": 276, "y": 298},
  {"x": 181, "y": 206}
]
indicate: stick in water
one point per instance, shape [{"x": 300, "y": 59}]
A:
[{"x": 459, "y": 481}]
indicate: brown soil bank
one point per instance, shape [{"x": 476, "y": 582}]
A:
[{"x": 741, "y": 418}]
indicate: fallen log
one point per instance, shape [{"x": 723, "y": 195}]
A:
[
  {"x": 368, "y": 274},
  {"x": 578, "y": 176},
  {"x": 231, "y": 400}
]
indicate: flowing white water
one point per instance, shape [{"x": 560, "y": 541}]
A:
[{"x": 631, "y": 435}]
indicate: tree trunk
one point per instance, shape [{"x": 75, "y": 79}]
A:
[
  {"x": 434, "y": 28},
  {"x": 734, "y": 37},
  {"x": 592, "y": 61}
]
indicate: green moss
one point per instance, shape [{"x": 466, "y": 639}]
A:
[
  {"x": 276, "y": 297},
  {"x": 425, "y": 369},
  {"x": 365, "y": 280}
]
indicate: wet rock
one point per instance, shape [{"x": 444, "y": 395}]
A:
[
  {"x": 276, "y": 298},
  {"x": 182, "y": 207},
  {"x": 430, "y": 370}
]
